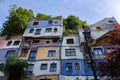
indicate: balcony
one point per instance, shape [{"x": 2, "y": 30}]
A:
[{"x": 25, "y": 46}]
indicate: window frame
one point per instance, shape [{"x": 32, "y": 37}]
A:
[
  {"x": 51, "y": 54},
  {"x": 10, "y": 52},
  {"x": 9, "y": 43},
  {"x": 16, "y": 43},
  {"x": 24, "y": 54},
  {"x": 70, "y": 41},
  {"x": 44, "y": 66},
  {"x": 31, "y": 30},
  {"x": 29, "y": 69},
  {"x": 38, "y": 32},
  {"x": 70, "y": 52},
  {"x": 32, "y": 55},
  {"x": 35, "y": 23},
  {"x": 68, "y": 67},
  {"x": 53, "y": 67},
  {"x": 35, "y": 42},
  {"x": 48, "y": 30},
  {"x": 77, "y": 68},
  {"x": 98, "y": 51}
]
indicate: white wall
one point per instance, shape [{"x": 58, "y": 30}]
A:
[
  {"x": 37, "y": 68},
  {"x": 43, "y": 33},
  {"x": 63, "y": 77},
  {"x": 79, "y": 54}
]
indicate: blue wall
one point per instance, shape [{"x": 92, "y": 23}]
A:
[
  {"x": 73, "y": 72},
  {"x": 90, "y": 72}
]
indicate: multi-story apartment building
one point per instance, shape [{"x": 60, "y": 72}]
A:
[{"x": 54, "y": 56}]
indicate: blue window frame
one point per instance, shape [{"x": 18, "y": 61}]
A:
[
  {"x": 44, "y": 66},
  {"x": 70, "y": 52},
  {"x": 51, "y": 53},
  {"x": 53, "y": 67},
  {"x": 32, "y": 55}
]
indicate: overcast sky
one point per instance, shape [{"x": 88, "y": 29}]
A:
[{"x": 87, "y": 10}]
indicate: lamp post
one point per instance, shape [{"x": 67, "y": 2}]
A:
[{"x": 87, "y": 37}]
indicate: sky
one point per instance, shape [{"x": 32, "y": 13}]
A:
[{"x": 90, "y": 11}]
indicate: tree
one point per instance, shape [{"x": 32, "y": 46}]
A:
[
  {"x": 72, "y": 23},
  {"x": 16, "y": 21},
  {"x": 41, "y": 16},
  {"x": 14, "y": 68}
]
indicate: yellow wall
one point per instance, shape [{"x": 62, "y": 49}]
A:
[
  {"x": 48, "y": 77},
  {"x": 43, "y": 53},
  {"x": 24, "y": 58}
]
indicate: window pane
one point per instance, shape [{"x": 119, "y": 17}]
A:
[
  {"x": 10, "y": 52},
  {"x": 48, "y": 30},
  {"x": 32, "y": 55},
  {"x": 38, "y": 31},
  {"x": 29, "y": 69},
  {"x": 70, "y": 52},
  {"x": 16, "y": 43},
  {"x": 77, "y": 66},
  {"x": 24, "y": 53},
  {"x": 51, "y": 53},
  {"x": 35, "y": 42},
  {"x": 9, "y": 43},
  {"x": 43, "y": 66},
  {"x": 70, "y": 41},
  {"x": 68, "y": 66},
  {"x": 35, "y": 23},
  {"x": 53, "y": 67},
  {"x": 31, "y": 31},
  {"x": 98, "y": 51}
]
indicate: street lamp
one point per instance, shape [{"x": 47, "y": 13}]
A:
[{"x": 87, "y": 37}]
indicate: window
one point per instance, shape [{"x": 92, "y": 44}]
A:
[
  {"x": 68, "y": 66},
  {"x": 51, "y": 53},
  {"x": 109, "y": 50},
  {"x": 29, "y": 69},
  {"x": 89, "y": 67},
  {"x": 43, "y": 66},
  {"x": 98, "y": 51},
  {"x": 1, "y": 66},
  {"x": 98, "y": 28},
  {"x": 35, "y": 42},
  {"x": 47, "y": 42},
  {"x": 110, "y": 21},
  {"x": 77, "y": 66},
  {"x": 53, "y": 67},
  {"x": 70, "y": 41},
  {"x": 55, "y": 40},
  {"x": 50, "y": 22},
  {"x": 70, "y": 52},
  {"x": 38, "y": 31},
  {"x": 31, "y": 31},
  {"x": 16, "y": 43},
  {"x": 10, "y": 52},
  {"x": 24, "y": 53},
  {"x": 9, "y": 43},
  {"x": 56, "y": 22},
  {"x": 32, "y": 55},
  {"x": 48, "y": 30},
  {"x": 35, "y": 23},
  {"x": 55, "y": 30}
]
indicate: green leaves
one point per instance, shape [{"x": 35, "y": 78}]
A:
[
  {"x": 16, "y": 21},
  {"x": 14, "y": 67}
]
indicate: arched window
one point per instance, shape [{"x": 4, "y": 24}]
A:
[{"x": 77, "y": 66}]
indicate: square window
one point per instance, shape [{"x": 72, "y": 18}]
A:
[
  {"x": 16, "y": 43},
  {"x": 35, "y": 23},
  {"x": 32, "y": 55},
  {"x": 51, "y": 53},
  {"x": 68, "y": 66},
  {"x": 29, "y": 69},
  {"x": 47, "y": 42},
  {"x": 43, "y": 66},
  {"x": 98, "y": 51},
  {"x": 48, "y": 30},
  {"x": 70, "y": 52},
  {"x": 53, "y": 67},
  {"x": 70, "y": 41},
  {"x": 9, "y": 43},
  {"x": 38, "y": 31},
  {"x": 10, "y": 52},
  {"x": 31, "y": 31},
  {"x": 55, "y": 40},
  {"x": 35, "y": 42},
  {"x": 24, "y": 53},
  {"x": 50, "y": 22}
]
